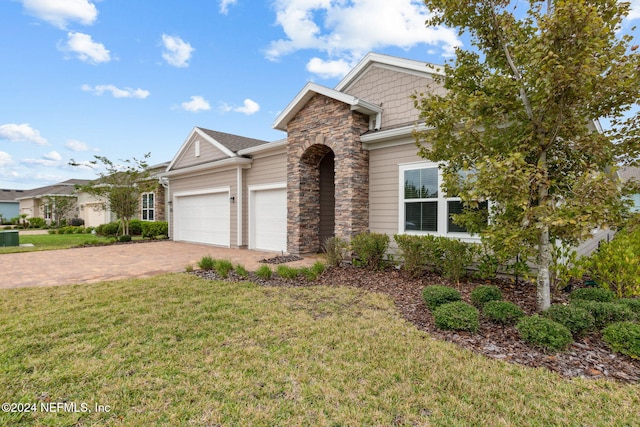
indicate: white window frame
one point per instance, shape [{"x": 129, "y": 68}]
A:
[
  {"x": 442, "y": 199},
  {"x": 148, "y": 208}
]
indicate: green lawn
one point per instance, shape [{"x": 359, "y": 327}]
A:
[
  {"x": 45, "y": 242},
  {"x": 178, "y": 350}
]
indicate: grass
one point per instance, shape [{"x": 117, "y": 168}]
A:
[
  {"x": 178, "y": 350},
  {"x": 46, "y": 242}
]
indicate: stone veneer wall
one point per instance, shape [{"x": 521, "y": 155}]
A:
[{"x": 325, "y": 124}]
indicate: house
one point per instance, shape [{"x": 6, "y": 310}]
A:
[
  {"x": 345, "y": 167},
  {"x": 9, "y": 205},
  {"x": 35, "y": 203},
  {"x": 632, "y": 173}
]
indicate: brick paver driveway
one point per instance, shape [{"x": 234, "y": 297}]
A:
[{"x": 95, "y": 264}]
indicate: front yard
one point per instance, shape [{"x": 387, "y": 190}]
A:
[
  {"x": 46, "y": 242},
  {"x": 180, "y": 350}
]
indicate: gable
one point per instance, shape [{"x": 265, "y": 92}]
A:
[
  {"x": 196, "y": 151},
  {"x": 391, "y": 88}
]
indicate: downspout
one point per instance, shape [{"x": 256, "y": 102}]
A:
[{"x": 239, "y": 197}]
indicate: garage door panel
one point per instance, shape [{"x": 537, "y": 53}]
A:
[
  {"x": 270, "y": 219},
  {"x": 203, "y": 218}
]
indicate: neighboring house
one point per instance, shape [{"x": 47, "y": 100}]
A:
[
  {"x": 9, "y": 205},
  {"x": 632, "y": 173},
  {"x": 343, "y": 169},
  {"x": 34, "y": 203}
]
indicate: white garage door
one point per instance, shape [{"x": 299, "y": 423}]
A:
[
  {"x": 202, "y": 218},
  {"x": 269, "y": 219}
]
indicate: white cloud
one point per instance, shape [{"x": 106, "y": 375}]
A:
[
  {"x": 634, "y": 12},
  {"x": 346, "y": 30},
  {"x": 53, "y": 156},
  {"x": 6, "y": 159},
  {"x": 196, "y": 104},
  {"x": 51, "y": 159},
  {"x": 21, "y": 133},
  {"x": 249, "y": 107},
  {"x": 224, "y": 5},
  {"x": 329, "y": 69},
  {"x": 177, "y": 51},
  {"x": 116, "y": 92},
  {"x": 86, "y": 49},
  {"x": 78, "y": 146},
  {"x": 60, "y": 12}
]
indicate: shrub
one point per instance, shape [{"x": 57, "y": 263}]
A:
[
  {"x": 206, "y": 263},
  {"x": 318, "y": 268},
  {"x": 632, "y": 303},
  {"x": 37, "y": 222},
  {"x": 241, "y": 271},
  {"x": 623, "y": 337},
  {"x": 76, "y": 222},
  {"x": 578, "y": 320},
  {"x": 370, "y": 249},
  {"x": 419, "y": 253},
  {"x": 336, "y": 249},
  {"x": 605, "y": 313},
  {"x": 124, "y": 239},
  {"x": 135, "y": 227},
  {"x": 592, "y": 294},
  {"x": 222, "y": 267},
  {"x": 153, "y": 230},
  {"x": 544, "y": 333},
  {"x": 484, "y": 293},
  {"x": 616, "y": 264},
  {"x": 457, "y": 316},
  {"x": 456, "y": 257},
  {"x": 504, "y": 312},
  {"x": 264, "y": 272},
  {"x": 286, "y": 272},
  {"x": 437, "y": 295},
  {"x": 109, "y": 229}
]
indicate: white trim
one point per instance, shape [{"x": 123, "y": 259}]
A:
[
  {"x": 441, "y": 200},
  {"x": 219, "y": 166},
  {"x": 252, "y": 189},
  {"x": 238, "y": 199},
  {"x": 197, "y": 131}
]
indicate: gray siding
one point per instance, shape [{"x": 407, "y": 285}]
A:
[
  {"x": 392, "y": 90},
  {"x": 383, "y": 185},
  {"x": 208, "y": 153},
  {"x": 204, "y": 182}
]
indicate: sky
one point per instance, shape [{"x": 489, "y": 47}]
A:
[{"x": 123, "y": 78}]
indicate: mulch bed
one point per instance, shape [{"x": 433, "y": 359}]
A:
[{"x": 588, "y": 357}]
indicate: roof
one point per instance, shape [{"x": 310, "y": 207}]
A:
[
  {"x": 234, "y": 143},
  {"x": 65, "y": 188},
  {"x": 629, "y": 172},
  {"x": 10, "y": 195}
]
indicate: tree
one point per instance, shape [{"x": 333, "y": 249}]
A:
[
  {"x": 59, "y": 207},
  {"x": 121, "y": 185},
  {"x": 519, "y": 116}
]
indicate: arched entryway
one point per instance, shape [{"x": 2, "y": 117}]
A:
[{"x": 327, "y": 198}]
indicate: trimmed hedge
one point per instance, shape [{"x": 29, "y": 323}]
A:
[
  {"x": 605, "y": 313},
  {"x": 457, "y": 316},
  {"x": 592, "y": 294},
  {"x": 369, "y": 250},
  {"x": 578, "y": 320},
  {"x": 544, "y": 333},
  {"x": 484, "y": 293},
  {"x": 623, "y": 337},
  {"x": 437, "y": 295},
  {"x": 504, "y": 312}
]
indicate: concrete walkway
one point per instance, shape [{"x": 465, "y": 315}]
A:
[{"x": 114, "y": 262}]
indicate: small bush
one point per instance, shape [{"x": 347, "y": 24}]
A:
[
  {"x": 370, "y": 249},
  {"x": 336, "y": 250},
  {"x": 264, "y": 272},
  {"x": 623, "y": 337},
  {"x": 206, "y": 263},
  {"x": 504, "y": 312},
  {"x": 124, "y": 239},
  {"x": 484, "y": 293},
  {"x": 605, "y": 313},
  {"x": 632, "y": 303},
  {"x": 436, "y": 295},
  {"x": 578, "y": 320},
  {"x": 286, "y": 272},
  {"x": 188, "y": 268},
  {"x": 241, "y": 271},
  {"x": 419, "y": 253},
  {"x": 223, "y": 267},
  {"x": 592, "y": 294},
  {"x": 37, "y": 222},
  {"x": 318, "y": 268},
  {"x": 456, "y": 257},
  {"x": 457, "y": 316},
  {"x": 76, "y": 222},
  {"x": 109, "y": 229},
  {"x": 544, "y": 333},
  {"x": 153, "y": 230},
  {"x": 135, "y": 227}
]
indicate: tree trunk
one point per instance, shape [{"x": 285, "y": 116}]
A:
[{"x": 543, "y": 294}]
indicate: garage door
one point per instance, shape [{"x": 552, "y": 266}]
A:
[
  {"x": 269, "y": 219},
  {"x": 202, "y": 218}
]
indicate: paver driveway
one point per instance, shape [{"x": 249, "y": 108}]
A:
[{"x": 95, "y": 264}]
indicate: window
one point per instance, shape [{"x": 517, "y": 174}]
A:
[
  {"x": 424, "y": 207},
  {"x": 148, "y": 207}
]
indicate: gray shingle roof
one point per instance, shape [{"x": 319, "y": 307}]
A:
[
  {"x": 10, "y": 195},
  {"x": 64, "y": 188},
  {"x": 233, "y": 142}
]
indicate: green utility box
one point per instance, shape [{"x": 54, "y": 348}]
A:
[{"x": 9, "y": 238}]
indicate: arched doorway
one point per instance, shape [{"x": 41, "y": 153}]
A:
[{"x": 327, "y": 198}]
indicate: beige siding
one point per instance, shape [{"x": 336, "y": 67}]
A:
[
  {"x": 268, "y": 169},
  {"x": 208, "y": 153},
  {"x": 383, "y": 185},
  {"x": 392, "y": 90},
  {"x": 203, "y": 183}
]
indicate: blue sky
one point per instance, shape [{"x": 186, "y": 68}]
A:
[{"x": 121, "y": 78}]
